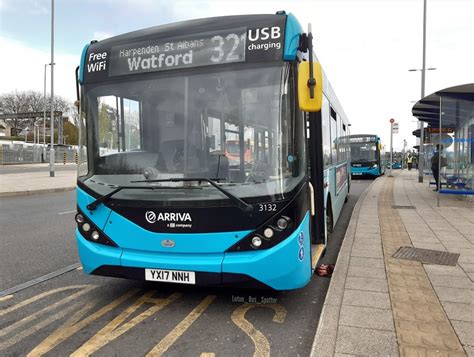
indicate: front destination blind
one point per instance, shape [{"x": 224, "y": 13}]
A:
[
  {"x": 201, "y": 50},
  {"x": 249, "y": 43}
]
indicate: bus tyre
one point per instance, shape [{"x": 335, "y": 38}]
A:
[{"x": 329, "y": 221}]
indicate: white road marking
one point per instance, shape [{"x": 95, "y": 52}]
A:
[
  {"x": 67, "y": 212},
  {"x": 5, "y": 298}
]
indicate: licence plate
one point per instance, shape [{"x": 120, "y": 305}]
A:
[
  {"x": 357, "y": 173},
  {"x": 170, "y": 276}
]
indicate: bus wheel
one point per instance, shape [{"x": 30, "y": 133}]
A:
[{"x": 329, "y": 220}]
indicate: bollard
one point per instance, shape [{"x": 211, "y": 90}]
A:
[{"x": 64, "y": 158}]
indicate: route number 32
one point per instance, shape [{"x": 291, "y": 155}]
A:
[
  {"x": 267, "y": 207},
  {"x": 220, "y": 42}
]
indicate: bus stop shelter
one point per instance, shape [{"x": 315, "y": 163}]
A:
[{"x": 449, "y": 114}]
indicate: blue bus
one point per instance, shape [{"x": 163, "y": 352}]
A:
[
  {"x": 367, "y": 157},
  {"x": 160, "y": 198}
]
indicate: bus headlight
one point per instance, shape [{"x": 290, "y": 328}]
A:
[
  {"x": 268, "y": 233},
  {"x": 256, "y": 241},
  {"x": 91, "y": 232},
  {"x": 278, "y": 226},
  {"x": 95, "y": 235},
  {"x": 282, "y": 223}
]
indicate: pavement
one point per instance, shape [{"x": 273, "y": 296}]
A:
[
  {"x": 378, "y": 305},
  {"x": 19, "y": 180}
]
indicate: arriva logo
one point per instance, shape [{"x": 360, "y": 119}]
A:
[{"x": 151, "y": 217}]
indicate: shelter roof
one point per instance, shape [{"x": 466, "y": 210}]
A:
[{"x": 427, "y": 109}]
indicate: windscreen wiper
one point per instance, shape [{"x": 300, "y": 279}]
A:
[
  {"x": 244, "y": 206},
  {"x": 92, "y": 206}
]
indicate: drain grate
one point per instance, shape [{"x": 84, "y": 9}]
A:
[
  {"x": 403, "y": 207},
  {"x": 427, "y": 256}
]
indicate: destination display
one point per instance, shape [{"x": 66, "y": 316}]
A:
[
  {"x": 363, "y": 139},
  {"x": 239, "y": 44},
  {"x": 203, "y": 50}
]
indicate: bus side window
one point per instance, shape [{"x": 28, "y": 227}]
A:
[
  {"x": 341, "y": 148},
  {"x": 345, "y": 142},
  {"x": 334, "y": 136},
  {"x": 326, "y": 132}
]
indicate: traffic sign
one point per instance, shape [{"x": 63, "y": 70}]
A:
[
  {"x": 395, "y": 128},
  {"x": 392, "y": 121}
]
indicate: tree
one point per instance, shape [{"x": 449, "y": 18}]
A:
[
  {"x": 14, "y": 103},
  {"x": 31, "y": 101},
  {"x": 71, "y": 133},
  {"x": 105, "y": 125}
]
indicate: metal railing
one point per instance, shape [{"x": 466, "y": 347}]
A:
[{"x": 35, "y": 155}]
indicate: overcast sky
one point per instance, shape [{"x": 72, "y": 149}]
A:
[{"x": 365, "y": 47}]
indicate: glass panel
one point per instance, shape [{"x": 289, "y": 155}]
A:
[
  {"x": 214, "y": 134},
  {"x": 131, "y": 116},
  {"x": 454, "y": 133},
  {"x": 363, "y": 152}
]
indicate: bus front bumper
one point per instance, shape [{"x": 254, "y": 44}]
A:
[
  {"x": 361, "y": 171},
  {"x": 285, "y": 266}
]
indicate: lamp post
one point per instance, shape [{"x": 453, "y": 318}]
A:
[
  {"x": 421, "y": 156},
  {"x": 404, "y": 152},
  {"x": 44, "y": 112},
  {"x": 421, "y": 124},
  {"x": 51, "y": 152}
]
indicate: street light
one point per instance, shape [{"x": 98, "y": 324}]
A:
[
  {"x": 51, "y": 152},
  {"x": 421, "y": 124},
  {"x": 44, "y": 111},
  {"x": 421, "y": 156}
]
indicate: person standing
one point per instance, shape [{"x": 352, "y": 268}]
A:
[{"x": 409, "y": 161}]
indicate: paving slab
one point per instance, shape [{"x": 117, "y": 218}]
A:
[
  {"x": 366, "y": 342},
  {"x": 449, "y": 281},
  {"x": 366, "y": 272},
  {"x": 445, "y": 294},
  {"x": 366, "y": 284},
  {"x": 367, "y": 262},
  {"x": 465, "y": 331},
  {"x": 367, "y": 317},
  {"x": 366, "y": 253},
  {"x": 375, "y": 299},
  {"x": 459, "y": 311}
]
